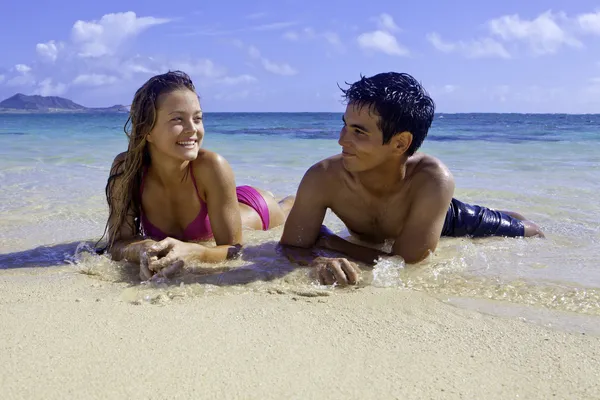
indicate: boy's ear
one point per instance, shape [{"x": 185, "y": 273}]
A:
[{"x": 402, "y": 141}]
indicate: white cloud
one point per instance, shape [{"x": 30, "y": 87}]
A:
[
  {"x": 279, "y": 69},
  {"x": 437, "y": 42},
  {"x": 309, "y": 33},
  {"x": 115, "y": 70},
  {"x": 543, "y": 34},
  {"x": 254, "y": 52},
  {"x": 202, "y": 67},
  {"x": 93, "y": 57},
  {"x": 381, "y": 41},
  {"x": 235, "y": 80},
  {"x": 47, "y": 88},
  {"x": 275, "y": 68},
  {"x": 332, "y": 38},
  {"x": 206, "y": 69},
  {"x": 94, "y": 80},
  {"x": 229, "y": 96},
  {"x": 589, "y": 23},
  {"x": 96, "y": 47},
  {"x": 481, "y": 48},
  {"x": 292, "y": 36},
  {"x": 21, "y": 80},
  {"x": 450, "y": 88},
  {"x": 22, "y": 68},
  {"x": 385, "y": 22},
  {"x": 272, "y": 26},
  {"x": 105, "y": 36},
  {"x": 49, "y": 51},
  {"x": 24, "y": 77},
  {"x": 135, "y": 66},
  {"x": 256, "y": 15},
  {"x": 211, "y": 73}
]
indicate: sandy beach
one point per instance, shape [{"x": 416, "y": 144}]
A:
[{"x": 66, "y": 334}]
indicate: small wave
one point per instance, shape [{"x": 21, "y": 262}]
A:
[
  {"x": 42, "y": 256},
  {"x": 265, "y": 272},
  {"x": 500, "y": 138},
  {"x": 297, "y": 133},
  {"x": 463, "y": 135}
]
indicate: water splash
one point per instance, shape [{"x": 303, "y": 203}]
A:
[{"x": 387, "y": 272}]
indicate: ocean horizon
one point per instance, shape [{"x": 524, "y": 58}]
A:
[{"x": 437, "y": 113}]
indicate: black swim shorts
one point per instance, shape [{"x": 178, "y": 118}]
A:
[{"x": 475, "y": 221}]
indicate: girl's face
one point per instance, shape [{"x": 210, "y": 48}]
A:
[{"x": 178, "y": 130}]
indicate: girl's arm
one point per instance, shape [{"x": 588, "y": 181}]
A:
[{"x": 214, "y": 174}]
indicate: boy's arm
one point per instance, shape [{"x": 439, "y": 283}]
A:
[
  {"x": 422, "y": 230},
  {"x": 303, "y": 224},
  {"x": 304, "y": 230},
  {"x": 331, "y": 241}
]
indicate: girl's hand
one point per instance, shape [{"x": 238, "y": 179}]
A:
[{"x": 165, "y": 258}]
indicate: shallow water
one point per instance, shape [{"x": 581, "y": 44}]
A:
[{"x": 53, "y": 169}]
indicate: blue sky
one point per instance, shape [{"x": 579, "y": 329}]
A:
[{"x": 289, "y": 55}]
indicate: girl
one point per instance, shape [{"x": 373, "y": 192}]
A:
[{"x": 166, "y": 193}]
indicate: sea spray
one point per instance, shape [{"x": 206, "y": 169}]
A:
[{"x": 387, "y": 272}]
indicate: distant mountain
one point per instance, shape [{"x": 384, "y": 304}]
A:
[{"x": 43, "y": 104}]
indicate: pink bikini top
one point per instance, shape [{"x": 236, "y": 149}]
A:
[{"x": 198, "y": 230}]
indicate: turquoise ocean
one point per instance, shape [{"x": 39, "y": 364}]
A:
[{"x": 53, "y": 170}]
